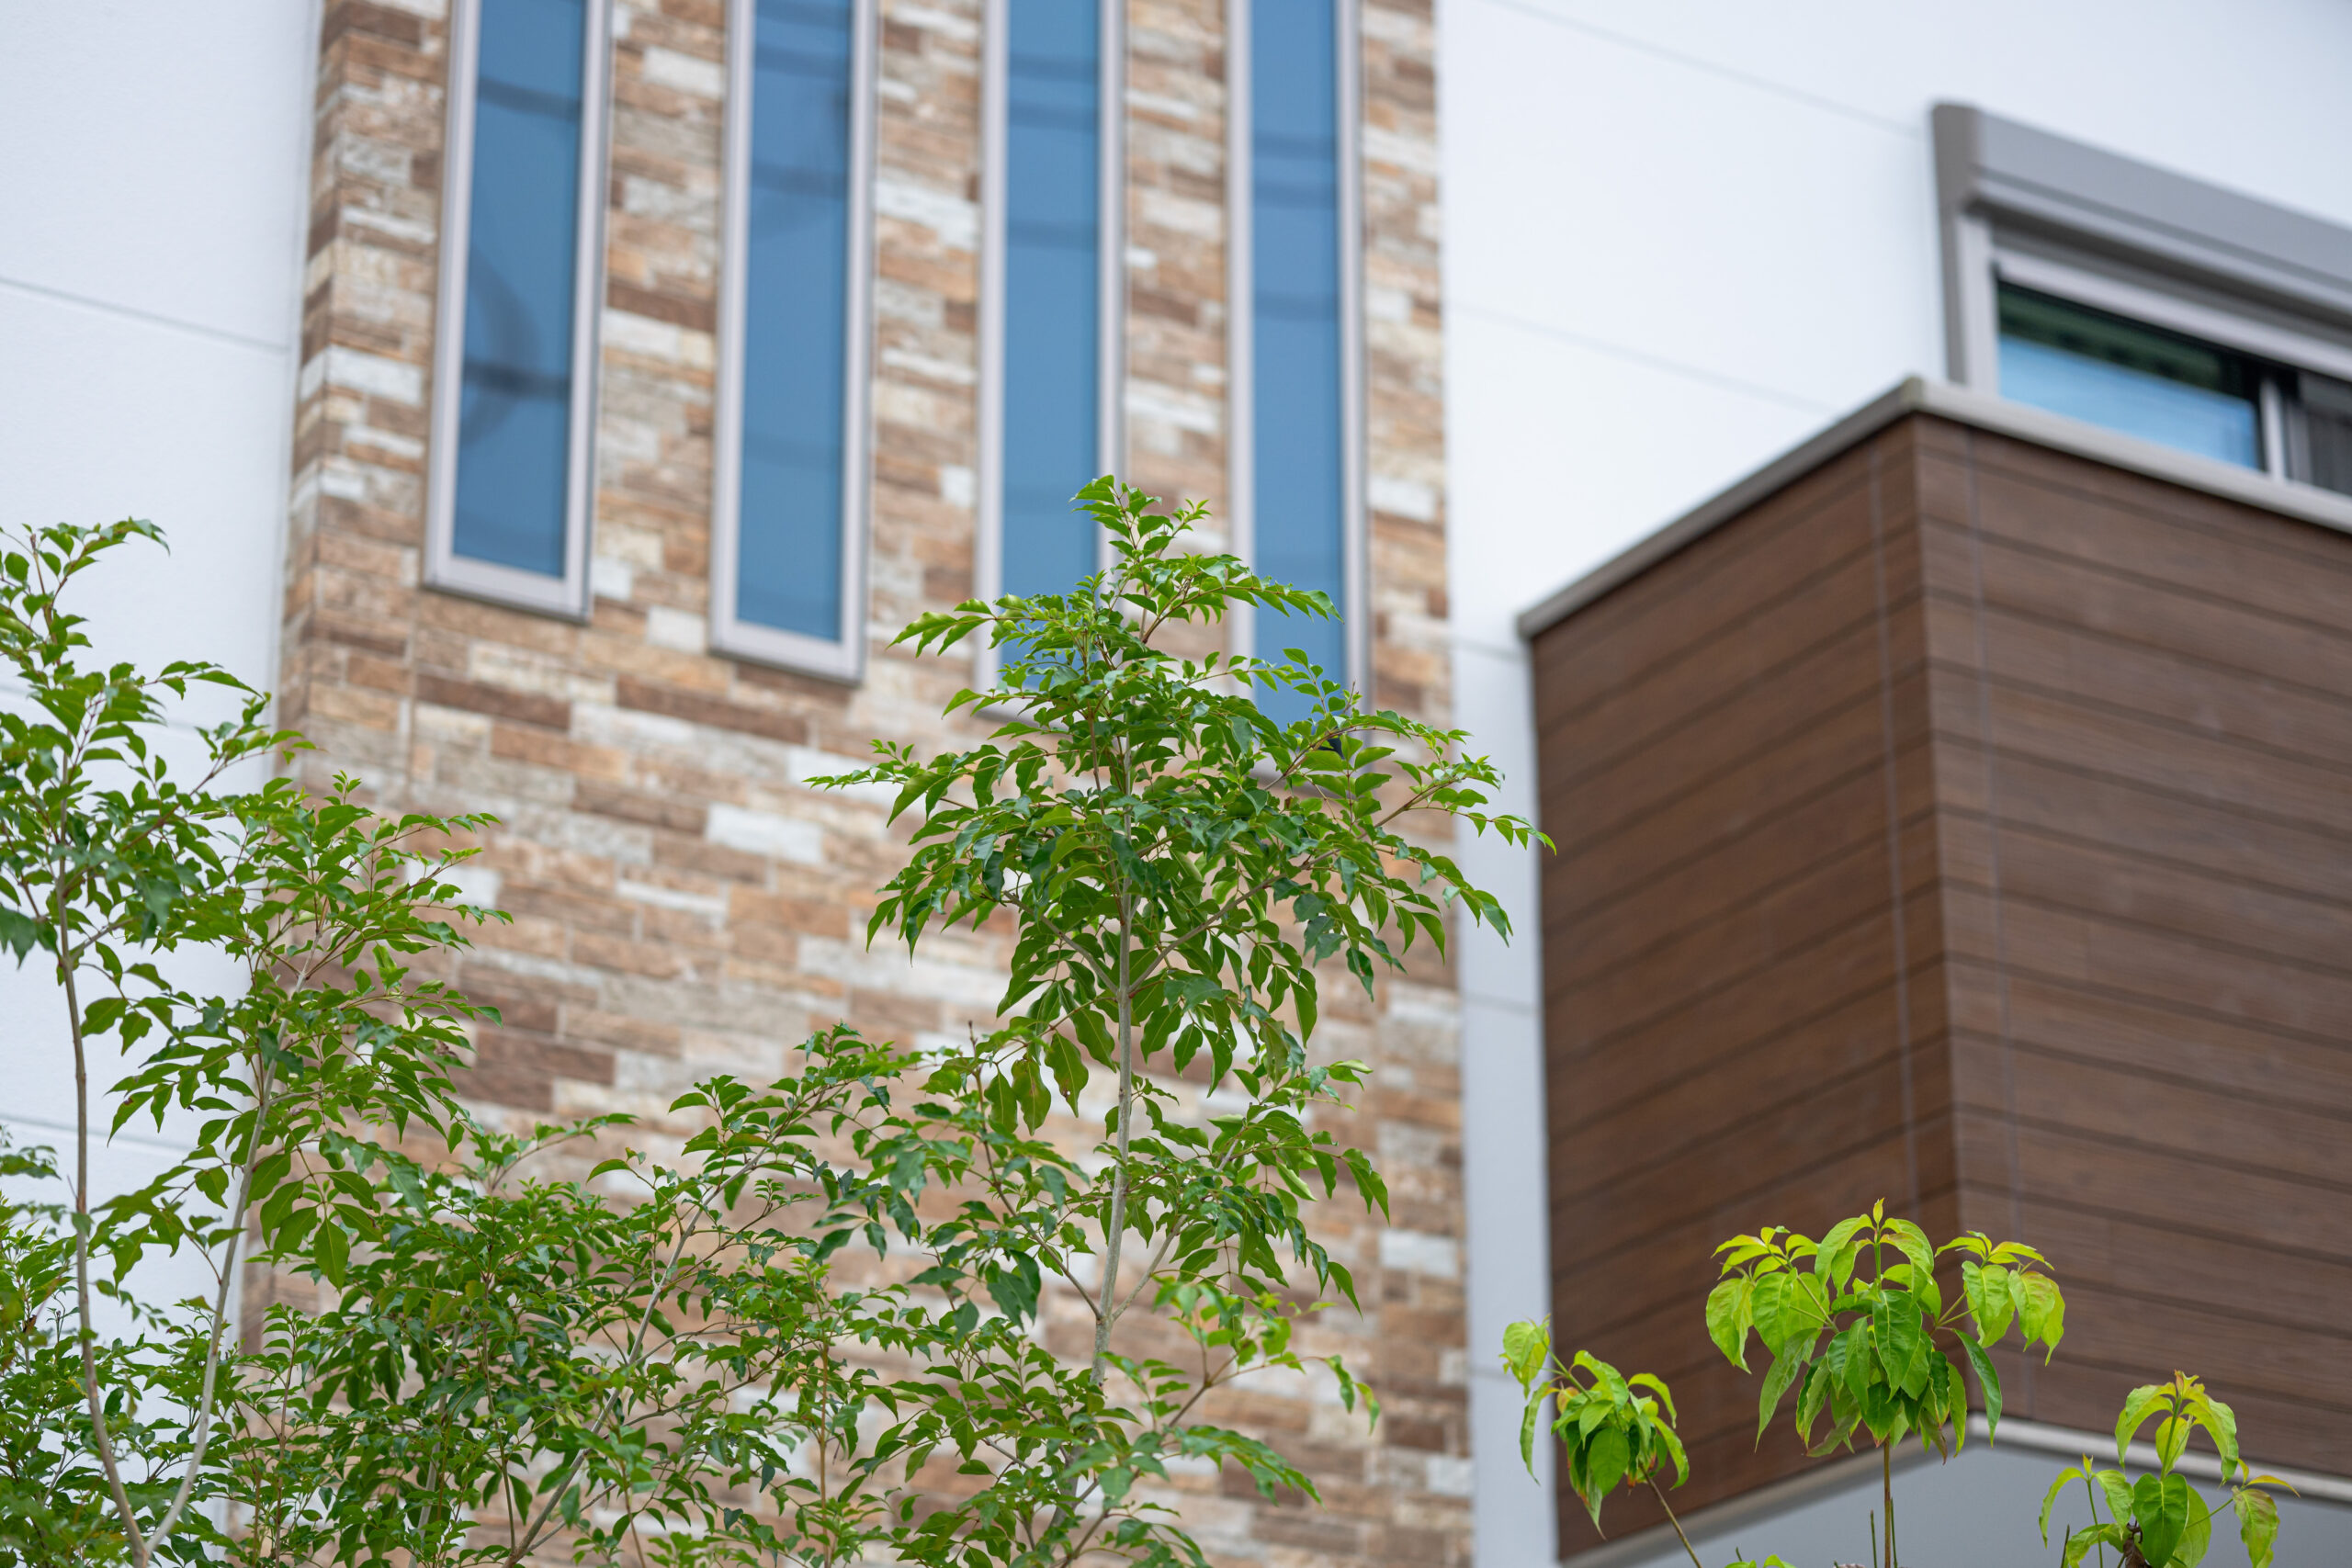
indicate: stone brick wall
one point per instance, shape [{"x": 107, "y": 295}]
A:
[{"x": 682, "y": 901}]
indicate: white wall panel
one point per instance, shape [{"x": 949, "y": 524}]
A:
[{"x": 154, "y": 193}]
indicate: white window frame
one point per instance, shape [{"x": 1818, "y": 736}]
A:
[
  {"x": 566, "y": 595},
  {"x": 730, "y": 633},
  {"x": 1110, "y": 283},
  {"x": 1241, "y": 455}
]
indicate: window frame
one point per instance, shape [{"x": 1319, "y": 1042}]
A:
[
  {"x": 1111, "y": 284},
  {"x": 728, "y": 633},
  {"x": 566, "y": 595},
  {"x": 1241, "y": 455},
  {"x": 2026, "y": 208}
]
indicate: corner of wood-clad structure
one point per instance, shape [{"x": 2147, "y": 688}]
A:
[{"x": 1964, "y": 823}]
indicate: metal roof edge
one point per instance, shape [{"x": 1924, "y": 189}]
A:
[{"x": 1918, "y": 394}]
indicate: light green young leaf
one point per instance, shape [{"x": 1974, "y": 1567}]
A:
[
  {"x": 2116, "y": 1487},
  {"x": 2257, "y": 1524},
  {"x": 1728, "y": 1318},
  {"x": 1526, "y": 1347},
  {"x": 2050, "y": 1498},
  {"x": 2136, "y": 1405},
  {"x": 1656, "y": 1384}
]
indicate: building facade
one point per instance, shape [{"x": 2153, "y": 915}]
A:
[
  {"x": 660, "y": 362},
  {"x": 1947, "y": 816}
]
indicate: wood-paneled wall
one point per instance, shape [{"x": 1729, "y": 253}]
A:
[{"x": 1965, "y": 824}]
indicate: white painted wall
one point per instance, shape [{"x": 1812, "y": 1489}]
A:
[
  {"x": 1680, "y": 238},
  {"x": 152, "y": 203}
]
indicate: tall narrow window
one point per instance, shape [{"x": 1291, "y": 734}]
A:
[
  {"x": 521, "y": 269},
  {"x": 787, "y": 570},
  {"x": 1053, "y": 299},
  {"x": 1296, "y": 419}
]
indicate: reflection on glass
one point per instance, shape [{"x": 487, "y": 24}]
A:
[
  {"x": 2327, "y": 433},
  {"x": 514, "y": 402},
  {"x": 1052, "y": 249},
  {"x": 789, "y": 553},
  {"x": 2128, "y": 378},
  {"x": 1300, "y": 500}
]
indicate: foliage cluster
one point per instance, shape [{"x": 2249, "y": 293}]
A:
[
  {"x": 661, "y": 1359},
  {"x": 1856, "y": 1324}
]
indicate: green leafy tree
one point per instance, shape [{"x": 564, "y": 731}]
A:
[
  {"x": 521, "y": 1362},
  {"x": 662, "y": 1360},
  {"x": 1179, "y": 870},
  {"x": 54, "y": 1506},
  {"x": 110, "y": 860},
  {"x": 2158, "y": 1520}
]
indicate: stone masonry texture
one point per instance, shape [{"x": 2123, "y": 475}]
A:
[{"x": 683, "y": 902}]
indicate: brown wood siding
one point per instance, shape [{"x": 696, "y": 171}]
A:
[
  {"x": 2143, "y": 743},
  {"x": 1964, "y": 824}
]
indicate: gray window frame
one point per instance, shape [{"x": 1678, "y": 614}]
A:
[
  {"x": 728, "y": 633},
  {"x": 566, "y": 595},
  {"x": 1111, "y": 284},
  {"x": 2021, "y": 206},
  {"x": 1242, "y": 455}
]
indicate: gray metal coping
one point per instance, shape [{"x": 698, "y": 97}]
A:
[{"x": 1919, "y": 395}]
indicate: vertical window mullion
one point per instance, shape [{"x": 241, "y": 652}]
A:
[
  {"x": 789, "y": 487},
  {"x": 512, "y": 477},
  {"x": 1051, "y": 322},
  {"x": 1296, "y": 437}
]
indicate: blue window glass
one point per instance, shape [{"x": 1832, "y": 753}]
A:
[
  {"x": 522, "y": 232},
  {"x": 2134, "y": 378},
  {"x": 1052, "y": 298},
  {"x": 795, "y": 342},
  {"x": 1300, "y": 500}
]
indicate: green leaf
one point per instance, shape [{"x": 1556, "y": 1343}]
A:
[
  {"x": 333, "y": 1251},
  {"x": 1990, "y": 1302},
  {"x": 2079, "y": 1543},
  {"x": 1815, "y": 1393},
  {"x": 2136, "y": 1405},
  {"x": 1784, "y": 1372},
  {"x": 2257, "y": 1524},
  {"x": 2160, "y": 1508},
  {"x": 1526, "y": 1424},
  {"x": 1673, "y": 1446},
  {"x": 2050, "y": 1498},
  {"x": 1988, "y": 1382},
  {"x": 2197, "y": 1537},
  {"x": 2043, "y": 1316},
  {"x": 1604, "y": 1464},
  {"x": 1526, "y": 1346},
  {"x": 1835, "y": 1251},
  {"x": 1649, "y": 1381},
  {"x": 2116, "y": 1487},
  {"x": 1912, "y": 1242},
  {"x": 1728, "y": 1319}
]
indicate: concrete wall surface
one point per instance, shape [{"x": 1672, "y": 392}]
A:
[
  {"x": 1964, "y": 1512},
  {"x": 1678, "y": 239}
]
